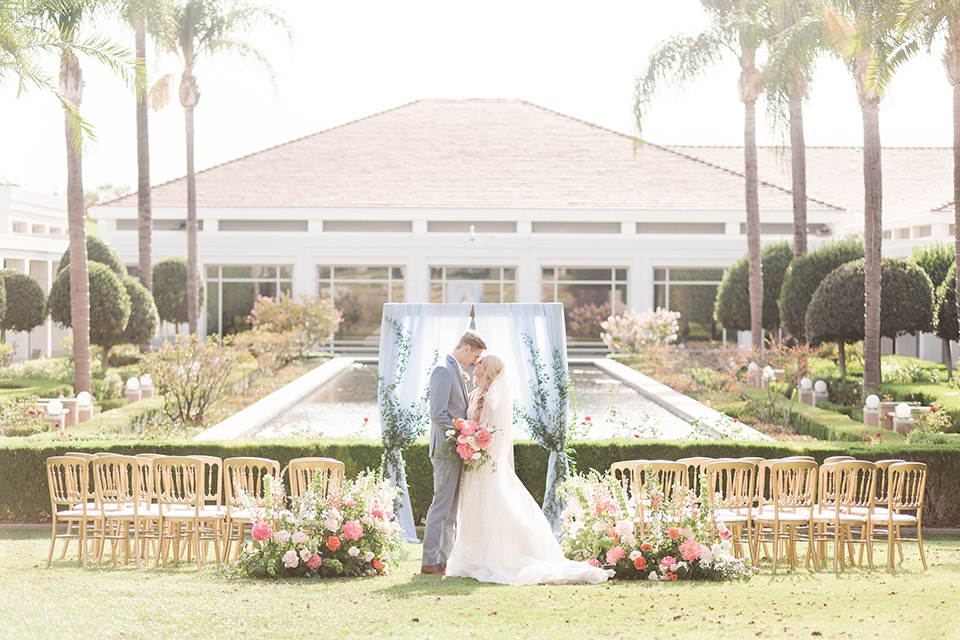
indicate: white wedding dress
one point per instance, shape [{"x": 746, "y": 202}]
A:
[{"x": 502, "y": 535}]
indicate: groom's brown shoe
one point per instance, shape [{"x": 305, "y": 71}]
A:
[{"x": 434, "y": 569}]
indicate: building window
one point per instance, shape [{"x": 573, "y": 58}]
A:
[
  {"x": 473, "y": 284},
  {"x": 232, "y": 290},
  {"x": 19, "y": 227},
  {"x": 360, "y": 293},
  {"x": 692, "y": 292},
  {"x": 587, "y": 294}
]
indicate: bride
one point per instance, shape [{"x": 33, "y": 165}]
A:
[{"x": 502, "y": 535}]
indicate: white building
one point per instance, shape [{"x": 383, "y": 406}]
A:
[
  {"x": 487, "y": 201},
  {"x": 33, "y": 237}
]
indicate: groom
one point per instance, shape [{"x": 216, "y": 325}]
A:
[{"x": 448, "y": 402}]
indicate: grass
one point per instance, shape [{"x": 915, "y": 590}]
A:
[{"x": 68, "y": 602}]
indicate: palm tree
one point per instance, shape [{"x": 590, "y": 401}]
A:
[
  {"x": 794, "y": 49},
  {"x": 737, "y": 27},
  {"x": 927, "y": 18},
  {"x": 863, "y": 35},
  {"x": 64, "y": 18},
  {"x": 208, "y": 27}
]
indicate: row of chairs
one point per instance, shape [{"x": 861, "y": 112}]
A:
[
  {"x": 152, "y": 501},
  {"x": 784, "y": 501}
]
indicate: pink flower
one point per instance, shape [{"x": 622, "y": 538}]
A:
[
  {"x": 673, "y": 532},
  {"x": 282, "y": 536},
  {"x": 723, "y": 531},
  {"x": 376, "y": 511},
  {"x": 388, "y": 514},
  {"x": 690, "y": 550},
  {"x": 465, "y": 450},
  {"x": 350, "y": 502},
  {"x": 352, "y": 530},
  {"x": 467, "y": 427},
  {"x": 333, "y": 543},
  {"x": 687, "y": 532},
  {"x": 615, "y": 555},
  {"x": 300, "y": 537},
  {"x": 646, "y": 546},
  {"x": 593, "y": 562},
  {"x": 586, "y": 419},
  {"x": 484, "y": 439},
  {"x": 314, "y": 562},
  {"x": 262, "y": 531},
  {"x": 667, "y": 562},
  {"x": 290, "y": 559}
]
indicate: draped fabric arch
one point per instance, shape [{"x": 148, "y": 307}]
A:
[{"x": 530, "y": 337}]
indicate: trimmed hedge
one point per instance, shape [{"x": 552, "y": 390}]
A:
[
  {"x": 24, "y": 496},
  {"x": 733, "y": 296},
  {"x": 26, "y": 301}
]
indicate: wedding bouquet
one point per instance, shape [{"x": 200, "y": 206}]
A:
[{"x": 472, "y": 442}]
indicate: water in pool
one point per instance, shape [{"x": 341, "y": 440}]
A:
[{"x": 603, "y": 407}]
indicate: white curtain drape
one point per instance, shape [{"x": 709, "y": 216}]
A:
[
  {"x": 413, "y": 338},
  {"x": 532, "y": 339}
]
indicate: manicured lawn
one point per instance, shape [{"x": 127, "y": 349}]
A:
[{"x": 67, "y": 602}]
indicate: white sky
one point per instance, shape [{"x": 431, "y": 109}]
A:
[{"x": 355, "y": 58}]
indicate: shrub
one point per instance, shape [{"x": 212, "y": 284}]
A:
[
  {"x": 804, "y": 275},
  {"x": 945, "y": 301},
  {"x": 109, "y": 305},
  {"x": 584, "y": 320},
  {"x": 25, "y": 301},
  {"x": 313, "y": 319},
  {"x": 733, "y": 297},
  {"x": 634, "y": 332},
  {"x": 98, "y": 250},
  {"x": 937, "y": 260},
  {"x": 21, "y": 417},
  {"x": 170, "y": 289},
  {"x": 835, "y": 313},
  {"x": 190, "y": 373},
  {"x": 271, "y": 350},
  {"x": 144, "y": 320},
  {"x": 3, "y": 300}
]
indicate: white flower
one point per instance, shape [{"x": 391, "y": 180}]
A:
[
  {"x": 331, "y": 524},
  {"x": 305, "y": 554},
  {"x": 634, "y": 555},
  {"x": 282, "y": 536},
  {"x": 300, "y": 537},
  {"x": 629, "y": 539},
  {"x": 653, "y": 576},
  {"x": 706, "y": 555},
  {"x": 353, "y": 551},
  {"x": 451, "y": 433},
  {"x": 367, "y": 520},
  {"x": 599, "y": 526},
  {"x": 565, "y": 515},
  {"x": 290, "y": 559},
  {"x": 475, "y": 456},
  {"x": 674, "y": 567},
  {"x": 726, "y": 545},
  {"x": 716, "y": 549},
  {"x": 384, "y": 527},
  {"x": 371, "y": 572},
  {"x": 624, "y": 527},
  {"x": 575, "y": 528},
  {"x": 368, "y": 556}
]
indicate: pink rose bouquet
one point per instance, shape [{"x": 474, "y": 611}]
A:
[{"x": 472, "y": 442}]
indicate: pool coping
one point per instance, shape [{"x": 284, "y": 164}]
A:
[
  {"x": 250, "y": 419},
  {"x": 672, "y": 400}
]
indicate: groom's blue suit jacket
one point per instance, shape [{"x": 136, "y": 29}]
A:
[{"x": 448, "y": 402}]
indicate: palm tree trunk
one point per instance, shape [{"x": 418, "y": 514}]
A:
[
  {"x": 872, "y": 244},
  {"x": 951, "y": 62},
  {"x": 71, "y": 83},
  {"x": 144, "y": 210},
  {"x": 750, "y": 87},
  {"x": 798, "y": 151},
  {"x": 193, "y": 291}
]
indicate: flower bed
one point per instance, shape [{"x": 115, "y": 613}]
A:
[
  {"x": 350, "y": 532},
  {"x": 681, "y": 540}
]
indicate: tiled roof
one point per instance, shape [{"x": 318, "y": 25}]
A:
[
  {"x": 501, "y": 154},
  {"x": 915, "y": 180}
]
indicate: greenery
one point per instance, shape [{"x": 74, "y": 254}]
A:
[
  {"x": 98, "y": 250},
  {"x": 733, "y": 296},
  {"x": 109, "y": 305},
  {"x": 170, "y": 289},
  {"x": 25, "y": 301},
  {"x": 313, "y": 320},
  {"x": 937, "y": 260},
  {"x": 189, "y": 603},
  {"x": 945, "y": 302},
  {"x": 804, "y": 275},
  {"x": 144, "y": 320}
]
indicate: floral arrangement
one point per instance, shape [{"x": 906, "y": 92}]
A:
[
  {"x": 472, "y": 442},
  {"x": 347, "y": 532},
  {"x": 633, "y": 332},
  {"x": 681, "y": 540}
]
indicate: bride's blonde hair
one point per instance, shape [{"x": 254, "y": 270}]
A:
[{"x": 492, "y": 366}]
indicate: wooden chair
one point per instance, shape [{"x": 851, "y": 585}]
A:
[
  {"x": 793, "y": 492},
  {"x": 178, "y": 486},
  {"x": 846, "y": 503},
  {"x": 695, "y": 467},
  {"x": 906, "y": 487},
  {"x": 244, "y": 479},
  {"x": 70, "y": 500},
  {"x": 303, "y": 473},
  {"x": 211, "y": 506},
  {"x": 666, "y": 475},
  {"x": 117, "y": 481},
  {"x": 622, "y": 471},
  {"x": 734, "y": 483}
]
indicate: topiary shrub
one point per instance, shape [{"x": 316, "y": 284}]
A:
[
  {"x": 144, "y": 320},
  {"x": 946, "y": 304},
  {"x": 26, "y": 301},
  {"x": 109, "y": 305},
  {"x": 937, "y": 261},
  {"x": 804, "y": 275},
  {"x": 170, "y": 289},
  {"x": 98, "y": 250},
  {"x": 835, "y": 313},
  {"x": 733, "y": 297}
]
